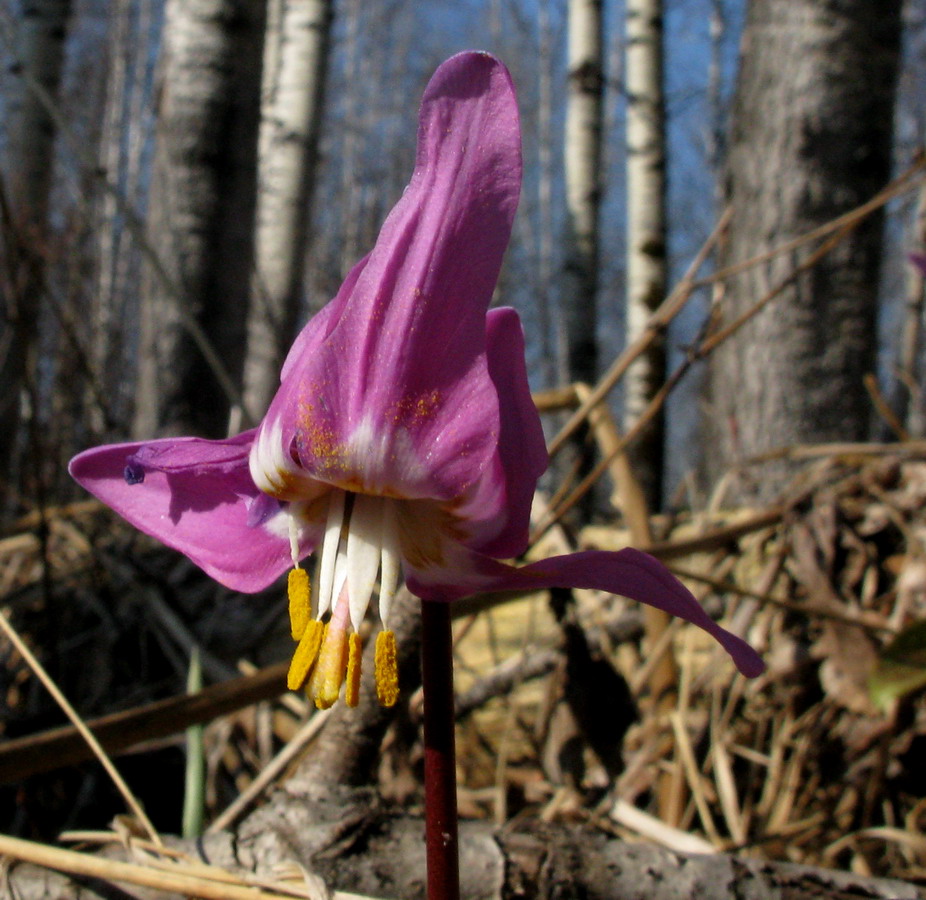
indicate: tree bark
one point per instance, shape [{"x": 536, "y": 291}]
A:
[
  {"x": 294, "y": 80},
  {"x": 27, "y": 165},
  {"x": 811, "y": 138},
  {"x": 201, "y": 216},
  {"x": 908, "y": 401},
  {"x": 583, "y": 186},
  {"x": 646, "y": 233}
]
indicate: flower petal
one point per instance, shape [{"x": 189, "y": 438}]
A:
[
  {"x": 497, "y": 512},
  {"x": 628, "y": 572},
  {"x": 195, "y": 496},
  {"x": 397, "y": 399},
  {"x": 319, "y": 326}
]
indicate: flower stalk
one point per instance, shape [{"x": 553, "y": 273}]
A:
[{"x": 440, "y": 778}]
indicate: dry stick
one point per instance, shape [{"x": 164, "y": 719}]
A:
[
  {"x": 269, "y": 773},
  {"x": 674, "y": 302},
  {"x": 718, "y": 337},
  {"x": 85, "y": 732},
  {"x": 706, "y": 347},
  {"x": 208, "y": 888},
  {"x": 866, "y": 621},
  {"x": 895, "y": 188},
  {"x": 850, "y": 450},
  {"x": 667, "y": 310},
  {"x": 63, "y": 746},
  {"x": 632, "y": 502},
  {"x": 695, "y": 782},
  {"x": 883, "y": 408}
]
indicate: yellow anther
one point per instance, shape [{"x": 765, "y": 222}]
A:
[
  {"x": 386, "y": 669},
  {"x": 297, "y": 589},
  {"x": 352, "y": 684},
  {"x": 305, "y": 655},
  {"x": 328, "y": 674}
]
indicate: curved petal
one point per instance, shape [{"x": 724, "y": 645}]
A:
[
  {"x": 319, "y": 326},
  {"x": 628, "y": 572},
  {"x": 398, "y": 399},
  {"x": 497, "y": 512},
  {"x": 198, "y": 497}
]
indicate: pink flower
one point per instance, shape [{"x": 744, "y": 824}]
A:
[{"x": 403, "y": 442}]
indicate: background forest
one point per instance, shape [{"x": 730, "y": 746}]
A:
[{"x": 719, "y": 259}]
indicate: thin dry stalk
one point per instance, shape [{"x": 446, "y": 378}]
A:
[
  {"x": 702, "y": 351},
  {"x": 306, "y": 734},
  {"x": 883, "y": 408},
  {"x": 79, "y": 724},
  {"x": 724, "y": 780},
  {"x": 645, "y": 825},
  {"x": 785, "y": 798},
  {"x": 658, "y": 322},
  {"x": 694, "y": 779},
  {"x": 631, "y": 500},
  {"x": 906, "y": 181},
  {"x": 207, "y": 883}
]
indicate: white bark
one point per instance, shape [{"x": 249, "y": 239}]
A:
[
  {"x": 583, "y": 184},
  {"x": 30, "y": 131},
  {"x": 646, "y": 229},
  {"x": 295, "y": 64},
  {"x": 551, "y": 321},
  {"x": 201, "y": 216}
]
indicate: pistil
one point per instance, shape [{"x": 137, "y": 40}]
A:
[{"x": 360, "y": 546}]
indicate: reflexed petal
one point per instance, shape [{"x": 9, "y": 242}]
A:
[
  {"x": 195, "y": 496},
  {"x": 497, "y": 512},
  {"x": 629, "y": 573},
  {"x": 397, "y": 399}
]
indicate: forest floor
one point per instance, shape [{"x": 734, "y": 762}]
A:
[{"x": 818, "y": 761}]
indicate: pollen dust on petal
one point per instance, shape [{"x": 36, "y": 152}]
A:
[
  {"x": 315, "y": 438},
  {"x": 412, "y": 411}
]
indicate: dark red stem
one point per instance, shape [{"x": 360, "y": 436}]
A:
[{"x": 440, "y": 776}]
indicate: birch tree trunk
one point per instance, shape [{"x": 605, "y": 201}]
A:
[
  {"x": 553, "y": 339},
  {"x": 37, "y": 44},
  {"x": 811, "y": 139},
  {"x": 294, "y": 80},
  {"x": 201, "y": 217},
  {"x": 908, "y": 398},
  {"x": 583, "y": 186},
  {"x": 646, "y": 232}
]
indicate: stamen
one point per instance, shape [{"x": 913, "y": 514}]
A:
[
  {"x": 329, "y": 551},
  {"x": 391, "y": 568},
  {"x": 352, "y": 686},
  {"x": 294, "y": 540},
  {"x": 364, "y": 540},
  {"x": 297, "y": 589},
  {"x": 386, "y": 669},
  {"x": 305, "y": 655}
]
